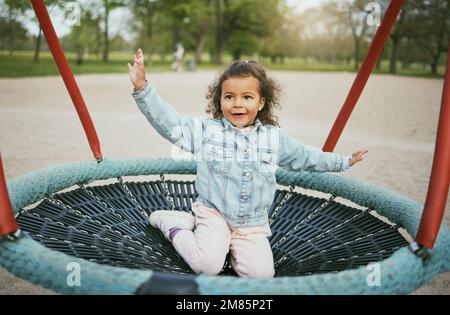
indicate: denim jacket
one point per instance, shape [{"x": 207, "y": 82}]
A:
[{"x": 235, "y": 168}]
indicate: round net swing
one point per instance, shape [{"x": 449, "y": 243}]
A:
[
  {"x": 109, "y": 225},
  {"x": 320, "y": 246}
]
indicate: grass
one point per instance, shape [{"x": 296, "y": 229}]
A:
[
  {"x": 299, "y": 64},
  {"x": 21, "y": 64}
]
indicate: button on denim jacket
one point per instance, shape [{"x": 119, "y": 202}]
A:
[{"x": 235, "y": 169}]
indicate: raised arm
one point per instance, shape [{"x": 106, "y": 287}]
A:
[
  {"x": 137, "y": 71},
  {"x": 185, "y": 132},
  {"x": 296, "y": 156}
]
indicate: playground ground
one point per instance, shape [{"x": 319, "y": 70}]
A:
[{"x": 395, "y": 120}]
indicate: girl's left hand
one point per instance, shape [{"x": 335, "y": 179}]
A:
[
  {"x": 137, "y": 72},
  {"x": 357, "y": 156}
]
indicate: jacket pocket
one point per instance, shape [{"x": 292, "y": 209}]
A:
[
  {"x": 268, "y": 166},
  {"x": 219, "y": 158}
]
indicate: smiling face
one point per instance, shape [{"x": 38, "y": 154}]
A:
[{"x": 241, "y": 100}]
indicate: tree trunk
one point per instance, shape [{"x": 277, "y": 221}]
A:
[
  {"x": 378, "y": 64},
  {"x": 441, "y": 43},
  {"x": 220, "y": 42},
  {"x": 149, "y": 39},
  {"x": 176, "y": 35},
  {"x": 105, "y": 37},
  {"x": 394, "y": 55},
  {"x": 380, "y": 58},
  {"x": 220, "y": 47},
  {"x": 435, "y": 62},
  {"x": 357, "y": 53},
  {"x": 80, "y": 54},
  {"x": 219, "y": 53},
  {"x": 150, "y": 50},
  {"x": 37, "y": 49},
  {"x": 236, "y": 55},
  {"x": 98, "y": 44},
  {"x": 10, "y": 32},
  {"x": 200, "y": 35},
  {"x": 199, "y": 44}
]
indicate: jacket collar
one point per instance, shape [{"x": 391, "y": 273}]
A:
[{"x": 227, "y": 125}]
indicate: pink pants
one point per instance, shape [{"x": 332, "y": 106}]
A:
[{"x": 205, "y": 248}]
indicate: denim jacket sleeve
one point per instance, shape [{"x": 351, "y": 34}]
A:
[
  {"x": 296, "y": 156},
  {"x": 179, "y": 130}
]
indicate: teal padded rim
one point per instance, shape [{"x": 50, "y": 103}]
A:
[{"x": 401, "y": 273}]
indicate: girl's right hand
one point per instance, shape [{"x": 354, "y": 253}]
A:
[
  {"x": 357, "y": 157},
  {"x": 137, "y": 72}
]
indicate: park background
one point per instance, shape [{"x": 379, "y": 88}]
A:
[
  {"x": 312, "y": 48},
  {"x": 99, "y": 35}
]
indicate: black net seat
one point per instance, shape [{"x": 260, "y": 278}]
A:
[{"x": 108, "y": 225}]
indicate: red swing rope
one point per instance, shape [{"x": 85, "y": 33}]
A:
[
  {"x": 8, "y": 224},
  {"x": 436, "y": 200},
  {"x": 364, "y": 73},
  {"x": 440, "y": 176},
  {"x": 67, "y": 76}
]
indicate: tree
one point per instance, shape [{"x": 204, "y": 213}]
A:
[
  {"x": 21, "y": 7},
  {"x": 13, "y": 9},
  {"x": 420, "y": 34},
  {"x": 200, "y": 22},
  {"x": 194, "y": 18},
  {"x": 107, "y": 7},
  {"x": 19, "y": 36},
  {"x": 284, "y": 41},
  {"x": 147, "y": 13},
  {"x": 431, "y": 20},
  {"x": 84, "y": 37},
  {"x": 37, "y": 49},
  {"x": 402, "y": 29},
  {"x": 357, "y": 16},
  {"x": 326, "y": 35},
  {"x": 242, "y": 18},
  {"x": 255, "y": 26}
]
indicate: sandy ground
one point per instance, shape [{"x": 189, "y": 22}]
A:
[{"x": 396, "y": 121}]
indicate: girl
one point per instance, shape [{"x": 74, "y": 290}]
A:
[{"x": 237, "y": 153}]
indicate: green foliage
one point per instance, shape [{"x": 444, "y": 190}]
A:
[
  {"x": 223, "y": 30},
  {"x": 21, "y": 65},
  {"x": 256, "y": 23},
  {"x": 84, "y": 38},
  {"x": 146, "y": 14},
  {"x": 12, "y": 35},
  {"x": 284, "y": 41}
]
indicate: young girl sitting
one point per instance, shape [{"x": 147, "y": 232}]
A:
[{"x": 237, "y": 152}]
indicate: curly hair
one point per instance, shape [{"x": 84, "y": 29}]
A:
[{"x": 268, "y": 89}]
